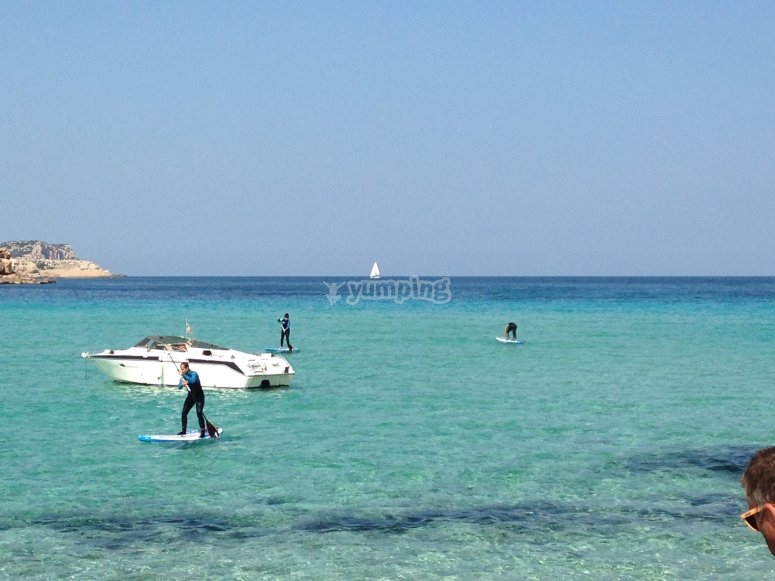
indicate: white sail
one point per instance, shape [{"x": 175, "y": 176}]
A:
[{"x": 375, "y": 271}]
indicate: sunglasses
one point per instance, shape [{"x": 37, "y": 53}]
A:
[{"x": 749, "y": 518}]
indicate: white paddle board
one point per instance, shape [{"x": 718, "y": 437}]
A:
[
  {"x": 189, "y": 437},
  {"x": 280, "y": 350},
  {"x": 510, "y": 341}
]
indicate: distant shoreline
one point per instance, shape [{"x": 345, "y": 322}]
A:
[{"x": 38, "y": 262}]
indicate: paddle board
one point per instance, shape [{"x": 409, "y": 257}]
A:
[
  {"x": 280, "y": 350},
  {"x": 189, "y": 437},
  {"x": 511, "y": 341}
]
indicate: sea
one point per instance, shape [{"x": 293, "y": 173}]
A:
[{"x": 411, "y": 444}]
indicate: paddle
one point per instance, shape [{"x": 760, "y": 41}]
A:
[{"x": 212, "y": 429}]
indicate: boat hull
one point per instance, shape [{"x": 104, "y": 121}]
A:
[{"x": 217, "y": 368}]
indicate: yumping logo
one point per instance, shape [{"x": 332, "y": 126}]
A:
[{"x": 411, "y": 289}]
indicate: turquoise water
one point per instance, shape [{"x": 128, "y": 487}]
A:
[{"x": 411, "y": 446}]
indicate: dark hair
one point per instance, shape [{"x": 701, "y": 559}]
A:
[
  {"x": 286, "y": 315},
  {"x": 759, "y": 477}
]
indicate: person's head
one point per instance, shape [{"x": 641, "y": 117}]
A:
[
  {"x": 759, "y": 483},
  {"x": 184, "y": 366},
  {"x": 286, "y": 315}
]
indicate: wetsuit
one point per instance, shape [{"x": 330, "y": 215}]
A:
[
  {"x": 511, "y": 328},
  {"x": 285, "y": 332},
  {"x": 195, "y": 397}
]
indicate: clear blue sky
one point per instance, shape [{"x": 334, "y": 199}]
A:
[{"x": 440, "y": 138}]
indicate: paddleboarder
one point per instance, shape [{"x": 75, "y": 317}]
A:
[
  {"x": 511, "y": 329},
  {"x": 196, "y": 397},
  {"x": 285, "y": 331}
]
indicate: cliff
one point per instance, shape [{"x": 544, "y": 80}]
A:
[{"x": 40, "y": 262}]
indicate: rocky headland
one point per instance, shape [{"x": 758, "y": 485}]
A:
[{"x": 36, "y": 262}]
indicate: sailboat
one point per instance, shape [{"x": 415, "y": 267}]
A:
[{"x": 375, "y": 271}]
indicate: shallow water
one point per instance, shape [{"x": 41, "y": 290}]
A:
[{"x": 411, "y": 445}]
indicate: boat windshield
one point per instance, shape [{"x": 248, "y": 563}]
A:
[{"x": 174, "y": 343}]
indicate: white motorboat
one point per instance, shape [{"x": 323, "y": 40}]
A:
[{"x": 156, "y": 359}]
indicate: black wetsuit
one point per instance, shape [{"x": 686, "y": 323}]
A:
[
  {"x": 511, "y": 328},
  {"x": 195, "y": 397},
  {"x": 285, "y": 332}
]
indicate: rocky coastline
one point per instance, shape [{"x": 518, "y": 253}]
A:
[{"x": 37, "y": 262}]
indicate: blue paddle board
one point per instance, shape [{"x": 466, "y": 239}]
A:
[
  {"x": 280, "y": 350},
  {"x": 189, "y": 437},
  {"x": 510, "y": 341}
]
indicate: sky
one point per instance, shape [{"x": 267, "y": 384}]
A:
[{"x": 517, "y": 138}]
